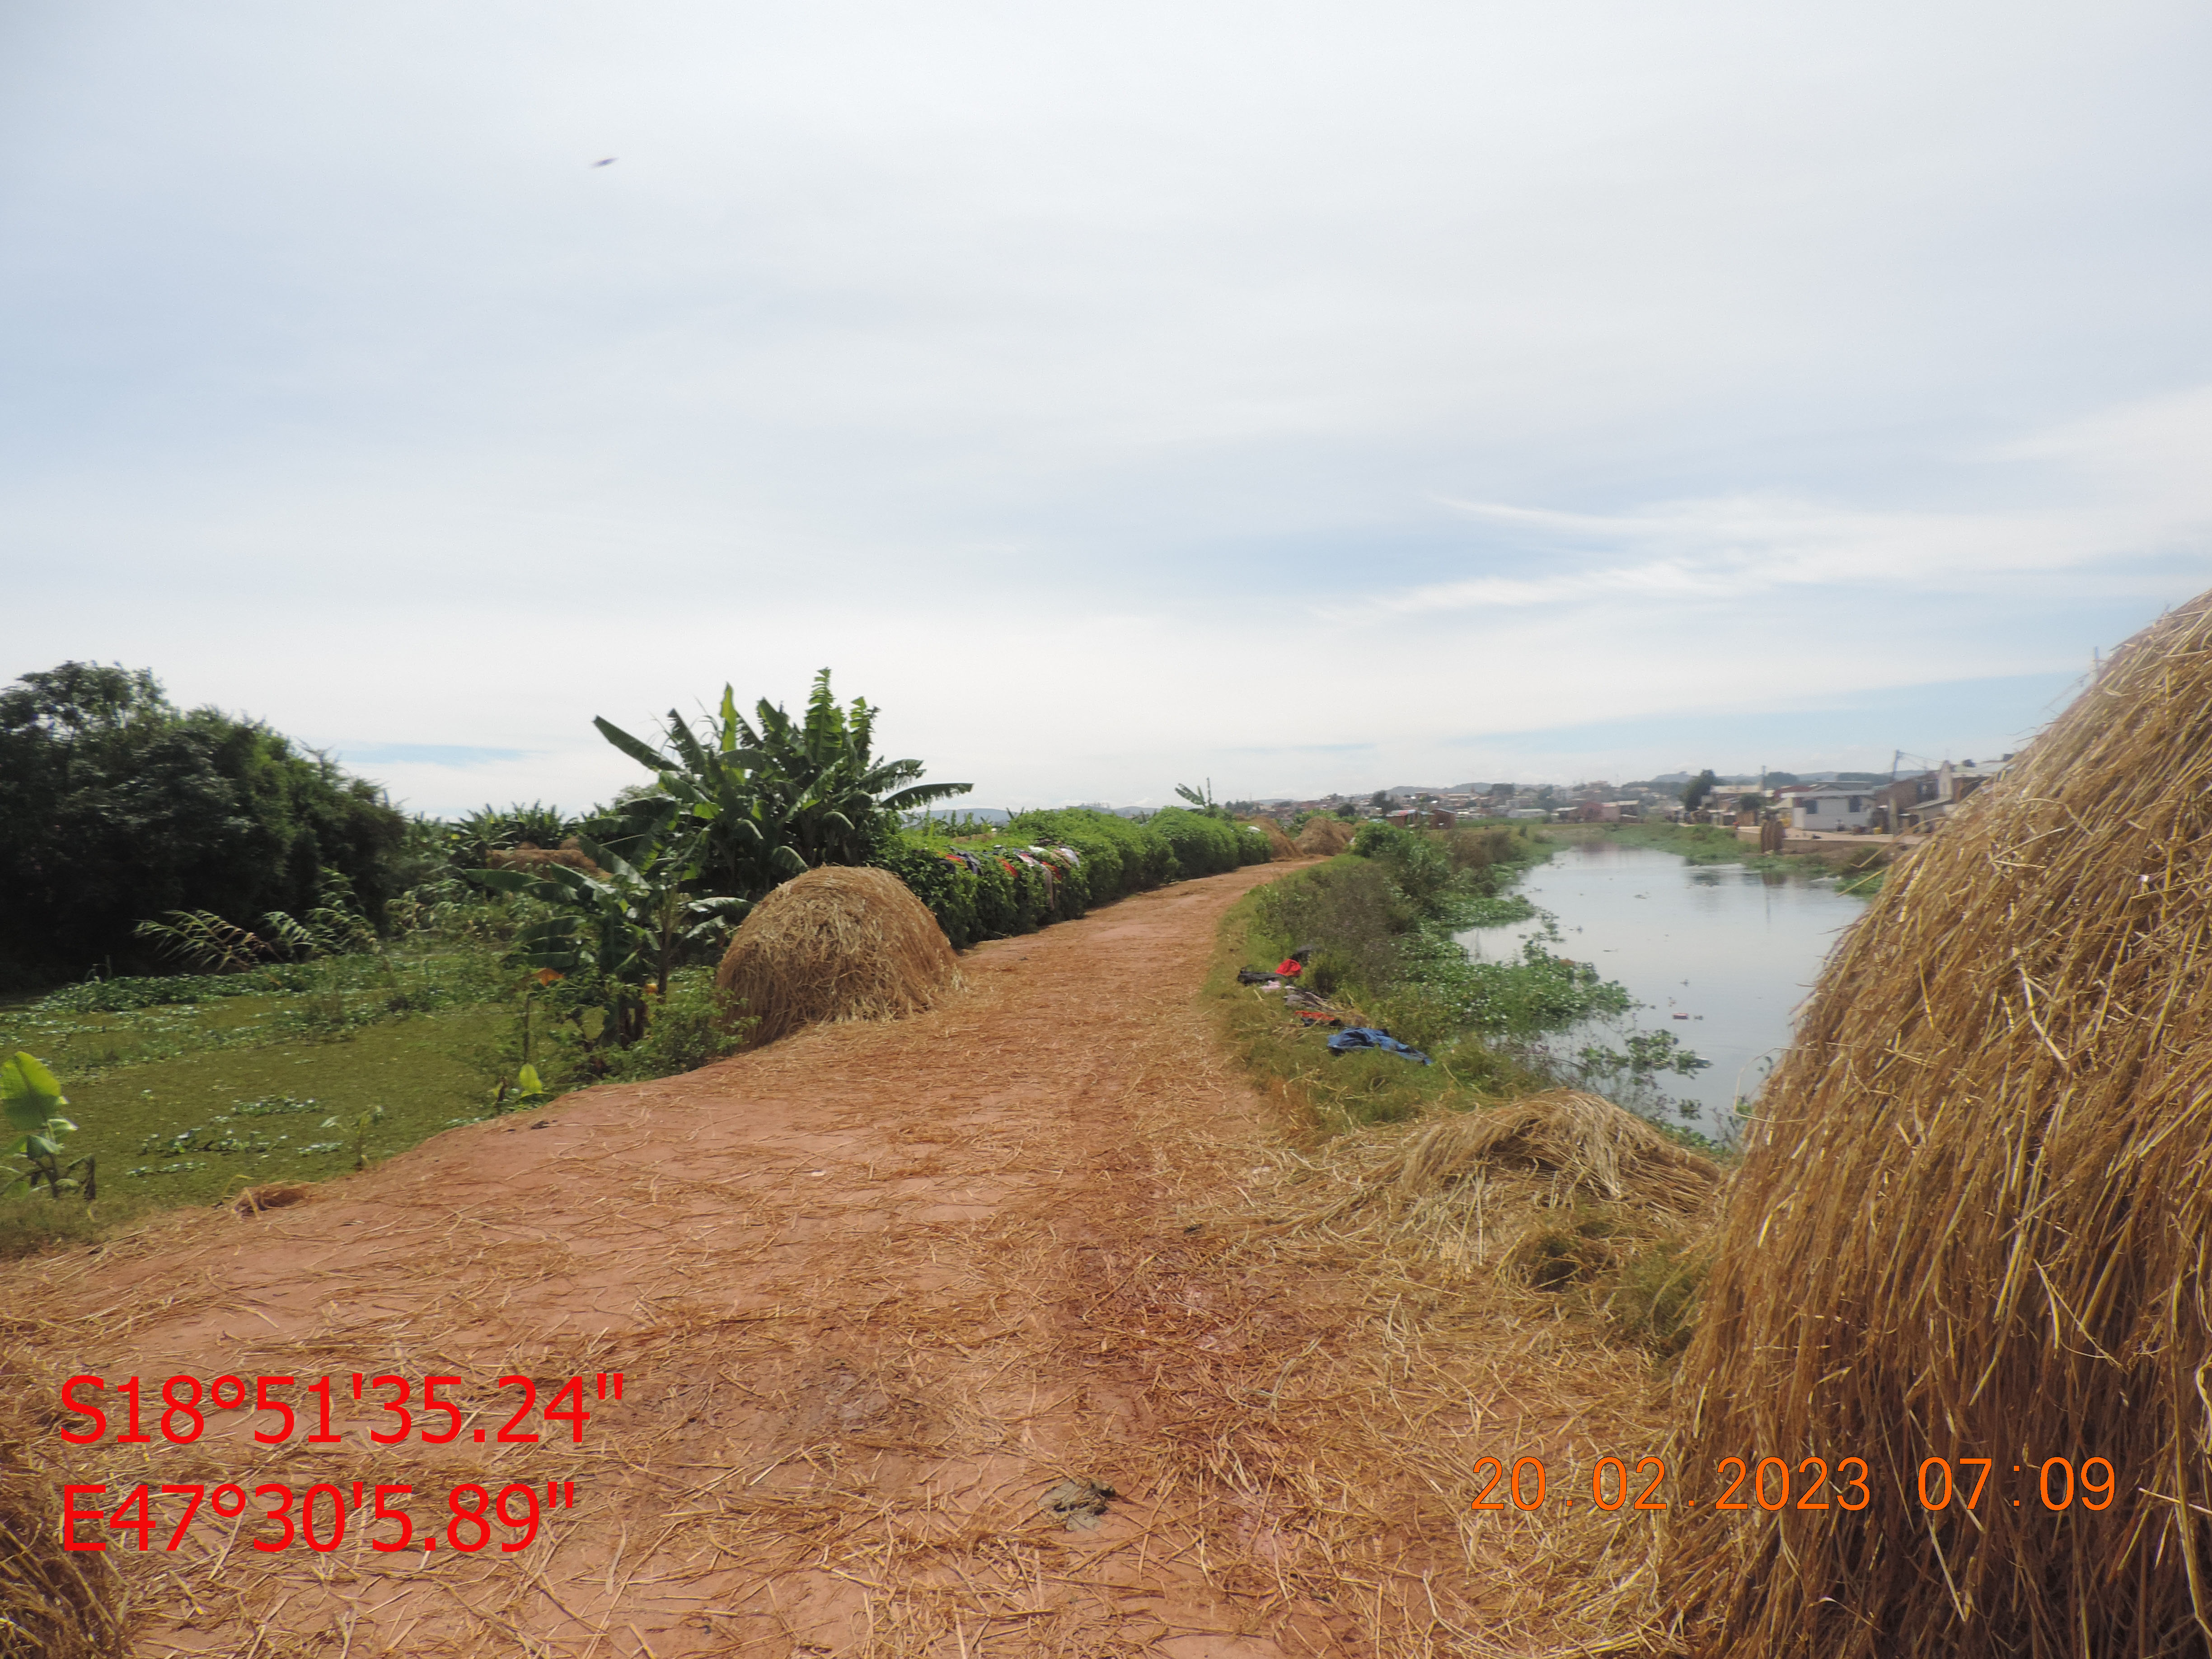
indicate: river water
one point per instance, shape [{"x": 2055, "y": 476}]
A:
[{"x": 1733, "y": 950}]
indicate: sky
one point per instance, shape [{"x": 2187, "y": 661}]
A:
[{"x": 1303, "y": 396}]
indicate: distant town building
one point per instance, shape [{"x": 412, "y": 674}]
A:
[{"x": 1828, "y": 807}]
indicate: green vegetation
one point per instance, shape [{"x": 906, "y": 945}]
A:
[
  {"x": 209, "y": 1117},
  {"x": 1379, "y": 924},
  {"x": 32, "y": 1099},
  {"x": 767, "y": 802},
  {"x": 122, "y": 808},
  {"x": 994, "y": 883}
]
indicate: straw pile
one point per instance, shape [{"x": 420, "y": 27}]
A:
[
  {"x": 1279, "y": 844},
  {"x": 1543, "y": 1152},
  {"x": 54, "y": 1603},
  {"x": 1972, "y": 1224},
  {"x": 1593, "y": 1144},
  {"x": 529, "y": 855},
  {"x": 1324, "y": 837},
  {"x": 836, "y": 944}
]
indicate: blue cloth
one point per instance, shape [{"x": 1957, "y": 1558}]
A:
[{"x": 1362, "y": 1037}]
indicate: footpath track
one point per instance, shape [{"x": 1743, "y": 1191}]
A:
[{"x": 876, "y": 1294}]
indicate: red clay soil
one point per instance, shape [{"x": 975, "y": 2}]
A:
[{"x": 874, "y": 1293}]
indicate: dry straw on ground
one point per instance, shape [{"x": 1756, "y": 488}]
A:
[
  {"x": 1279, "y": 844},
  {"x": 1972, "y": 1224},
  {"x": 54, "y": 1603},
  {"x": 1519, "y": 1162},
  {"x": 1324, "y": 837},
  {"x": 836, "y": 944}
]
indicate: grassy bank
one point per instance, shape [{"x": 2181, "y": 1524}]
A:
[
  {"x": 1380, "y": 925},
  {"x": 1628, "y": 1267},
  {"x": 187, "y": 1088}
]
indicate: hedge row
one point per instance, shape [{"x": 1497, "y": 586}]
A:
[{"x": 1118, "y": 856}]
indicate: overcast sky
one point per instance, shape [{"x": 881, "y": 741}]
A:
[{"x": 1309, "y": 397}]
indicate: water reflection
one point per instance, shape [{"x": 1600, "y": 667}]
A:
[{"x": 1719, "y": 956}]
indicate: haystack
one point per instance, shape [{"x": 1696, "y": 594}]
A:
[
  {"x": 836, "y": 944},
  {"x": 1279, "y": 844},
  {"x": 1324, "y": 837},
  {"x": 1972, "y": 1222}
]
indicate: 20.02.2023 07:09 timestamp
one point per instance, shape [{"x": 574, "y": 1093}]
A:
[{"x": 1772, "y": 1484}]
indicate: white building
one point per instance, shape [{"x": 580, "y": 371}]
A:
[{"x": 1832, "y": 808}]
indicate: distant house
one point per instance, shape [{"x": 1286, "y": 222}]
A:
[
  {"x": 1433, "y": 818},
  {"x": 1896, "y": 804},
  {"x": 1830, "y": 807},
  {"x": 1948, "y": 785}
]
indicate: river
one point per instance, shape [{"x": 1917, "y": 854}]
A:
[{"x": 1717, "y": 955}]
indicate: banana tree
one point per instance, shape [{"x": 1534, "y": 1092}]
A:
[
  {"x": 31, "y": 1098},
  {"x": 782, "y": 797},
  {"x": 630, "y": 928}
]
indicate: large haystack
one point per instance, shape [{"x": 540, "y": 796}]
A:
[
  {"x": 836, "y": 944},
  {"x": 1279, "y": 844},
  {"x": 1324, "y": 837},
  {"x": 1973, "y": 1222}
]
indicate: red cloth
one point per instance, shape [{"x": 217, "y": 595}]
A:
[{"x": 1291, "y": 968}]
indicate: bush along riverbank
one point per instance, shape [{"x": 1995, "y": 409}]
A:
[{"x": 1378, "y": 925}]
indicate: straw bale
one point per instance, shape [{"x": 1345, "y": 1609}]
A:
[
  {"x": 836, "y": 944},
  {"x": 1279, "y": 844},
  {"x": 1972, "y": 1222},
  {"x": 54, "y": 1603},
  {"x": 1324, "y": 837}
]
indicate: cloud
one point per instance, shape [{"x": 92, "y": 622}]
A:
[{"x": 1113, "y": 397}]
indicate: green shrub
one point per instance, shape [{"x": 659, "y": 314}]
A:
[
  {"x": 1417, "y": 861},
  {"x": 693, "y": 1024},
  {"x": 1007, "y": 896},
  {"x": 1351, "y": 915},
  {"x": 950, "y": 889},
  {"x": 1202, "y": 846},
  {"x": 1120, "y": 856}
]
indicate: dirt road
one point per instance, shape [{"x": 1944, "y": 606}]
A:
[{"x": 874, "y": 1293}]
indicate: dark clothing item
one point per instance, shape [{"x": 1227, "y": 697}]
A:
[{"x": 1362, "y": 1037}]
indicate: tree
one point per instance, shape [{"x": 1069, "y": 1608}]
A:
[
  {"x": 780, "y": 796},
  {"x": 1202, "y": 801},
  {"x": 1695, "y": 791},
  {"x": 119, "y": 807}
]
